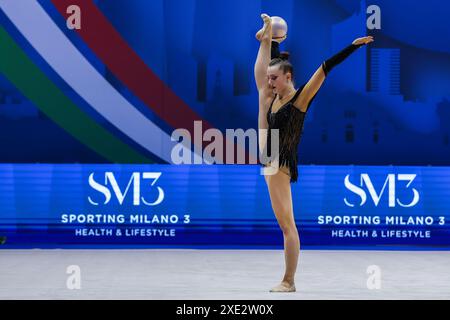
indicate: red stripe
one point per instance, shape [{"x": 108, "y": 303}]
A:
[{"x": 126, "y": 65}]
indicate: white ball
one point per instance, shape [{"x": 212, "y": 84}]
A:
[{"x": 279, "y": 27}]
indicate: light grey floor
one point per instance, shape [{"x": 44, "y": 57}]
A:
[{"x": 221, "y": 274}]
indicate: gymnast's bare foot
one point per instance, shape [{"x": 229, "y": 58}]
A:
[
  {"x": 284, "y": 287},
  {"x": 266, "y": 30}
]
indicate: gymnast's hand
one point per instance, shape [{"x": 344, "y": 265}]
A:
[
  {"x": 279, "y": 40},
  {"x": 363, "y": 40}
]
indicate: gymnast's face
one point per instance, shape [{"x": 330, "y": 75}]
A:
[{"x": 278, "y": 81}]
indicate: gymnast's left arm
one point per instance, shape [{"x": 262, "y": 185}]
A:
[{"x": 316, "y": 81}]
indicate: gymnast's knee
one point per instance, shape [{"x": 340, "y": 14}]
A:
[{"x": 288, "y": 227}]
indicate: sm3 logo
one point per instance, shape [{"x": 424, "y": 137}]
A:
[
  {"x": 137, "y": 180},
  {"x": 391, "y": 182}
]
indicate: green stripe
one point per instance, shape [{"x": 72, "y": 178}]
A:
[{"x": 35, "y": 85}]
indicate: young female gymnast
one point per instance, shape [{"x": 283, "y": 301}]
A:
[{"x": 283, "y": 107}]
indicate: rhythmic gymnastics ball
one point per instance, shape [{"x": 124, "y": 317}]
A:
[{"x": 279, "y": 27}]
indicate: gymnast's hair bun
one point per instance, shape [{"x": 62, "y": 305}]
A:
[{"x": 285, "y": 55}]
